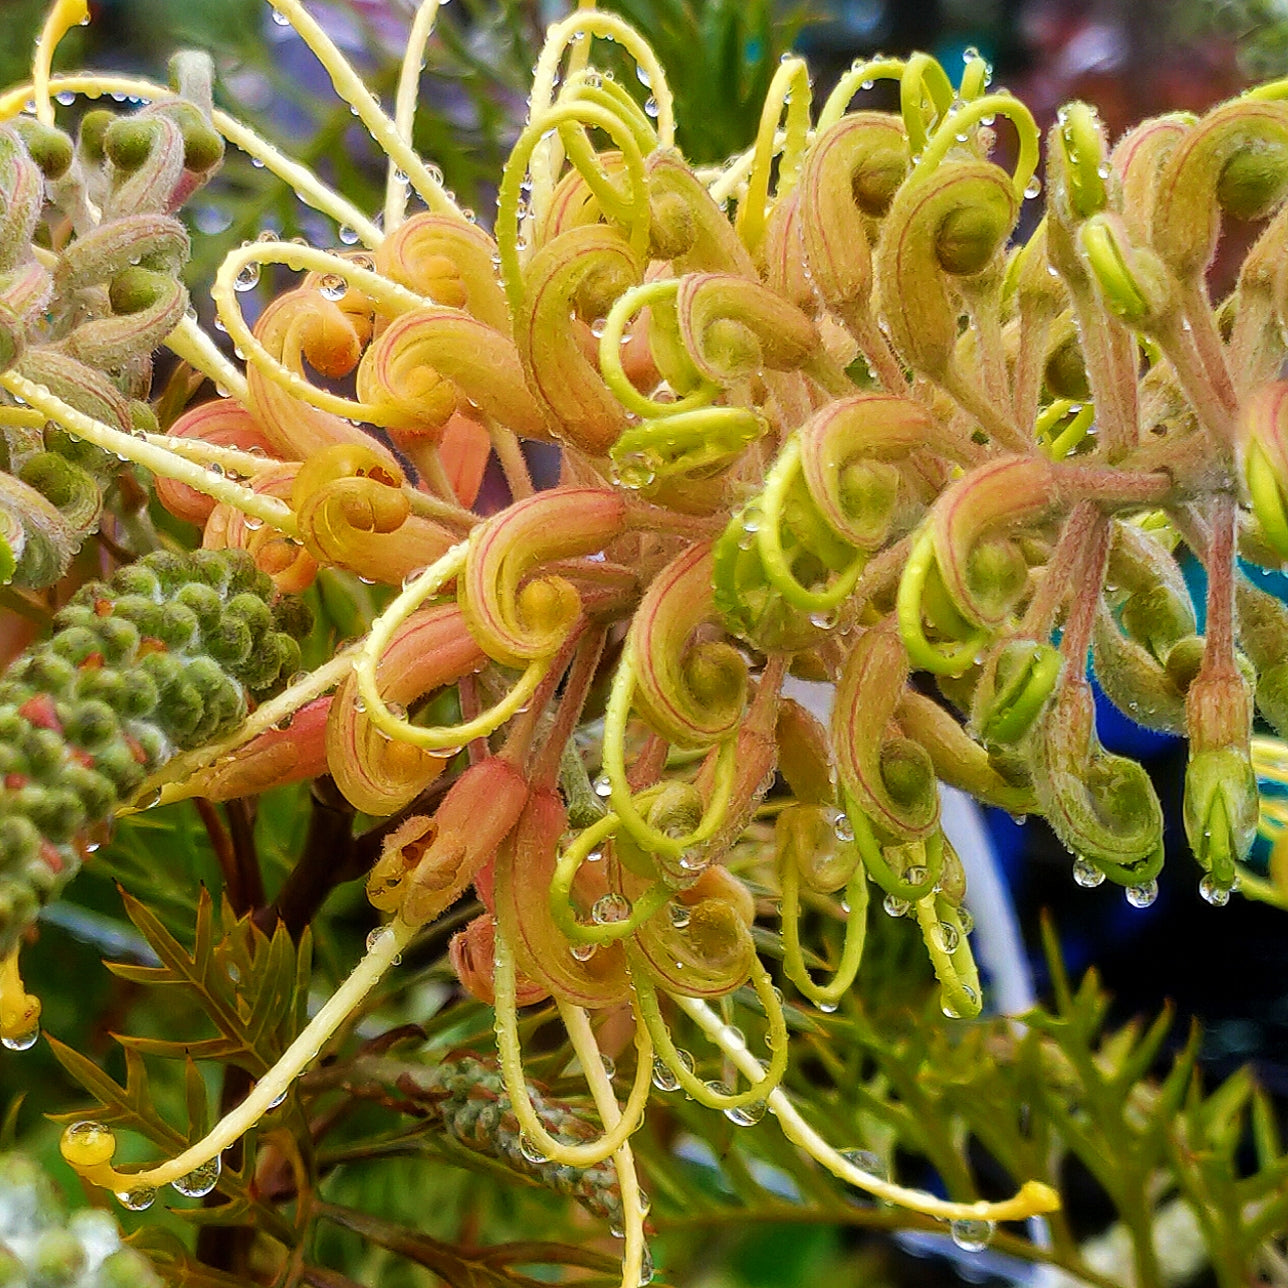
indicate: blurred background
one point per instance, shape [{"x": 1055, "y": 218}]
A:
[{"x": 1132, "y": 58}]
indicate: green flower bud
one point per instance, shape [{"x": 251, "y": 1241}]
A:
[
  {"x": 129, "y": 141},
  {"x": 1014, "y": 689},
  {"x": 1221, "y": 810},
  {"x": 58, "y": 1258},
  {"x": 76, "y": 644},
  {"x": 91, "y": 724},
  {"x": 47, "y": 146},
  {"x": 93, "y": 131}
]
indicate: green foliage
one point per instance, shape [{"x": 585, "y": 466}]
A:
[{"x": 983, "y": 1105}]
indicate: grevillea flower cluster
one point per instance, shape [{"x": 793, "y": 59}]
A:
[{"x": 825, "y": 426}]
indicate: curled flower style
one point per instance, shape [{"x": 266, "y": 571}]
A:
[
  {"x": 448, "y": 261},
  {"x": 375, "y": 773},
  {"x": 349, "y": 499},
  {"x": 570, "y": 284},
  {"x": 223, "y": 423}
]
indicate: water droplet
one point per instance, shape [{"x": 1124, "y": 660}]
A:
[
  {"x": 139, "y": 1198},
  {"x": 948, "y": 937},
  {"x": 1033, "y": 188},
  {"x": 349, "y": 236},
  {"x": 333, "y": 286},
  {"x": 65, "y": 97},
  {"x": 21, "y": 1041},
  {"x": 247, "y": 278},
  {"x": 650, "y": 107},
  {"x": 828, "y": 1008},
  {"x": 278, "y": 1101},
  {"x": 281, "y": 19},
  {"x": 598, "y": 327},
  {"x": 866, "y": 1161},
  {"x": 896, "y": 907},
  {"x": 201, "y": 1180},
  {"x": 1141, "y": 896},
  {"x": 971, "y": 1236},
  {"x": 663, "y": 1078},
  {"x": 375, "y": 937},
  {"x": 695, "y": 859},
  {"x": 825, "y": 620},
  {"x": 89, "y": 1138},
  {"x": 1103, "y": 169},
  {"x": 680, "y": 914},
  {"x": 967, "y": 920},
  {"x": 595, "y": 856},
  {"x": 610, "y": 908},
  {"x": 746, "y": 1115},
  {"x": 646, "y": 1267},
  {"x": 1218, "y": 896},
  {"x": 582, "y": 952},
  {"x": 1087, "y": 875},
  {"x": 610, "y": 1068},
  {"x": 636, "y": 470},
  {"x": 531, "y": 1152},
  {"x": 949, "y": 1007},
  {"x": 147, "y": 799},
  {"x": 842, "y": 828},
  {"x": 603, "y": 788}
]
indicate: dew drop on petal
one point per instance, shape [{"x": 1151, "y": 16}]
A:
[
  {"x": 866, "y": 1161},
  {"x": 610, "y": 908},
  {"x": 1141, "y": 896},
  {"x": 1087, "y": 875},
  {"x": 746, "y": 1115},
  {"x": 663, "y": 1078},
  {"x": 971, "y": 1236},
  {"x": 1217, "y": 895},
  {"x": 949, "y": 1006},
  {"x": 139, "y": 1198},
  {"x": 530, "y": 1151},
  {"x": 201, "y": 1180}
]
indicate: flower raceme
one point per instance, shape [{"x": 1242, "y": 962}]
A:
[{"x": 820, "y": 416}]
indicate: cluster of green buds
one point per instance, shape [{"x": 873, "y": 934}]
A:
[
  {"x": 827, "y": 432},
  {"x": 165, "y": 657},
  {"x": 465, "y": 1097},
  {"x": 42, "y": 1247},
  {"x": 91, "y": 255}
]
